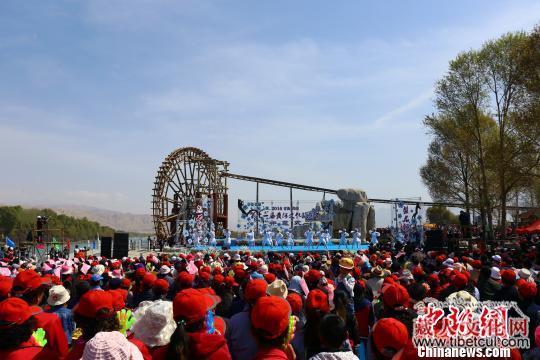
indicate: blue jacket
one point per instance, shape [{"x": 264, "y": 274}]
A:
[
  {"x": 242, "y": 344},
  {"x": 66, "y": 317}
]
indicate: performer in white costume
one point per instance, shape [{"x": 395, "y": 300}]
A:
[
  {"x": 212, "y": 235},
  {"x": 227, "y": 241},
  {"x": 290, "y": 240},
  {"x": 322, "y": 238},
  {"x": 343, "y": 237},
  {"x": 374, "y": 237},
  {"x": 279, "y": 238},
  {"x": 309, "y": 237},
  {"x": 250, "y": 236},
  {"x": 267, "y": 238},
  {"x": 327, "y": 237},
  {"x": 356, "y": 237}
]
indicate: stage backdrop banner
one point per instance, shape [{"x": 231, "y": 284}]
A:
[{"x": 276, "y": 214}]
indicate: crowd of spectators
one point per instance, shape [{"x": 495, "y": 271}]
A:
[{"x": 245, "y": 305}]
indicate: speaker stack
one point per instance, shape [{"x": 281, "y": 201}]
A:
[
  {"x": 435, "y": 240},
  {"x": 121, "y": 245},
  {"x": 106, "y": 246}
]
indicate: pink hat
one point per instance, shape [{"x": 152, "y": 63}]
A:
[
  {"x": 117, "y": 273},
  {"x": 110, "y": 345},
  {"x": 84, "y": 268},
  {"x": 5, "y": 271},
  {"x": 67, "y": 270},
  {"x": 46, "y": 267}
]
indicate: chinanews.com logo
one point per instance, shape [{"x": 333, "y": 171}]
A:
[{"x": 465, "y": 328}]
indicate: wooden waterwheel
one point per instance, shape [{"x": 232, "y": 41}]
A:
[{"x": 190, "y": 193}]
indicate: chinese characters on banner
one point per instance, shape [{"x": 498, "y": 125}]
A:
[
  {"x": 271, "y": 215},
  {"x": 408, "y": 221}
]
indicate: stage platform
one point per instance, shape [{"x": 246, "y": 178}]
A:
[{"x": 288, "y": 249}]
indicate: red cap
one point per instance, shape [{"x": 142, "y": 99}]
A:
[
  {"x": 207, "y": 290},
  {"x": 255, "y": 289},
  {"x": 27, "y": 280},
  {"x": 204, "y": 276},
  {"x": 139, "y": 273},
  {"x": 118, "y": 299},
  {"x": 417, "y": 271},
  {"x": 218, "y": 279},
  {"x": 295, "y": 301},
  {"x": 433, "y": 279},
  {"x": 270, "y": 316},
  {"x": 269, "y": 277},
  {"x": 508, "y": 276},
  {"x": 207, "y": 269},
  {"x": 14, "y": 311},
  {"x": 317, "y": 300},
  {"x": 390, "y": 334},
  {"x": 477, "y": 264},
  {"x": 192, "y": 305},
  {"x": 185, "y": 279},
  {"x": 92, "y": 302},
  {"x": 460, "y": 281},
  {"x": 148, "y": 280},
  {"x": 5, "y": 286},
  {"x": 240, "y": 274},
  {"x": 125, "y": 284},
  {"x": 313, "y": 276},
  {"x": 527, "y": 290},
  {"x": 520, "y": 282},
  {"x": 161, "y": 286},
  {"x": 395, "y": 295},
  {"x": 230, "y": 282}
]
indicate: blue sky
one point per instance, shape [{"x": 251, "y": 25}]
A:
[{"x": 94, "y": 94}]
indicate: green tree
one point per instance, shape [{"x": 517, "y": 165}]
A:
[
  {"x": 9, "y": 216},
  {"x": 514, "y": 158},
  {"x": 460, "y": 95},
  {"x": 20, "y": 220},
  {"x": 486, "y": 138},
  {"x": 441, "y": 215},
  {"x": 448, "y": 173}
]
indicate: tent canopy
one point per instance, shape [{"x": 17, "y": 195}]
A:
[{"x": 532, "y": 228}]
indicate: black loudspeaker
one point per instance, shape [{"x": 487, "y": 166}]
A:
[
  {"x": 121, "y": 245},
  {"x": 106, "y": 242},
  {"x": 435, "y": 240}
]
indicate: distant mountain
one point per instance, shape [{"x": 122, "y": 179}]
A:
[{"x": 139, "y": 223}]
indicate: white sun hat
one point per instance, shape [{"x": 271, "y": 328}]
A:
[
  {"x": 164, "y": 270},
  {"x": 154, "y": 322},
  {"x": 58, "y": 295},
  {"x": 495, "y": 273},
  {"x": 277, "y": 288}
]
